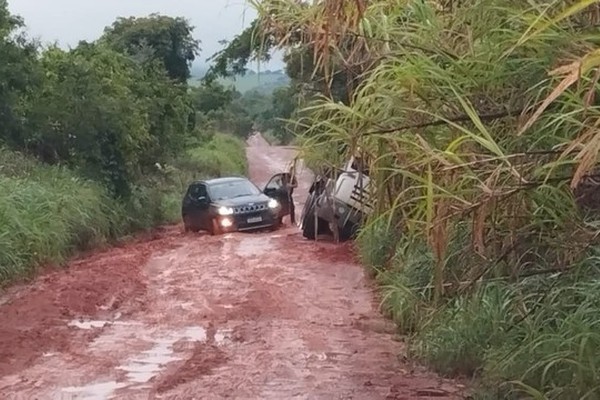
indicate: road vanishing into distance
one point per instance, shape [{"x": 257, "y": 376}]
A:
[{"x": 174, "y": 315}]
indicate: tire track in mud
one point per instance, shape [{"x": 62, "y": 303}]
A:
[{"x": 250, "y": 316}]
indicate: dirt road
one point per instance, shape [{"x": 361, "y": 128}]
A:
[{"x": 190, "y": 316}]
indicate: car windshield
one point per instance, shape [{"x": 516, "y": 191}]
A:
[{"x": 232, "y": 189}]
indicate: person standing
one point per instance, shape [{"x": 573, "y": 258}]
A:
[{"x": 290, "y": 183}]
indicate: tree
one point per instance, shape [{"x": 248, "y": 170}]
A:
[
  {"x": 156, "y": 37},
  {"x": 19, "y": 72},
  {"x": 100, "y": 112},
  {"x": 310, "y": 82},
  {"x": 85, "y": 115},
  {"x": 236, "y": 55},
  {"x": 284, "y": 106},
  {"x": 307, "y": 82},
  {"x": 211, "y": 96}
]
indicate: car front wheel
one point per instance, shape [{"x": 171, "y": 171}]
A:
[
  {"x": 187, "y": 225},
  {"x": 277, "y": 224},
  {"x": 215, "y": 229}
]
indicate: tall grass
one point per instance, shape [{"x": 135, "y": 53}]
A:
[
  {"x": 542, "y": 344},
  {"x": 222, "y": 155},
  {"x": 537, "y": 337},
  {"x": 479, "y": 120},
  {"x": 49, "y": 213}
]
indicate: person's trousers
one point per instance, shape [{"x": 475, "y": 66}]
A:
[{"x": 292, "y": 210}]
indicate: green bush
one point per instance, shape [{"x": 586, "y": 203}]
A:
[
  {"x": 272, "y": 139},
  {"x": 222, "y": 155}
]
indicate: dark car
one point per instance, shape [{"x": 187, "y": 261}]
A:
[{"x": 234, "y": 204}]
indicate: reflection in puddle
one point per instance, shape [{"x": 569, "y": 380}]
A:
[
  {"x": 223, "y": 336},
  {"x": 99, "y": 391},
  {"x": 88, "y": 324},
  {"x": 141, "y": 368},
  {"x": 150, "y": 362},
  {"x": 93, "y": 324},
  {"x": 197, "y": 333},
  {"x": 253, "y": 246}
]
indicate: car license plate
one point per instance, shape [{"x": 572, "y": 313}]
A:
[{"x": 254, "y": 220}]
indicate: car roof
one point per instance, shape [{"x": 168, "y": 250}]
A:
[{"x": 217, "y": 181}]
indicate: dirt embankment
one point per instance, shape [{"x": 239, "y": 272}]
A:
[{"x": 189, "y": 316}]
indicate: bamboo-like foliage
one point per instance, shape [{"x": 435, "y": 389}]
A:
[{"x": 476, "y": 114}]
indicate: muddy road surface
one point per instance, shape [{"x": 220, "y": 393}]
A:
[{"x": 189, "y": 316}]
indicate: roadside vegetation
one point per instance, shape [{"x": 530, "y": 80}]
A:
[
  {"x": 224, "y": 109},
  {"x": 100, "y": 141},
  {"x": 479, "y": 119}
]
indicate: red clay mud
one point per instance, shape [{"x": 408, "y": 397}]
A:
[
  {"x": 32, "y": 317},
  {"x": 266, "y": 315}
]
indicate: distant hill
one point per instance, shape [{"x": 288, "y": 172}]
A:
[{"x": 263, "y": 81}]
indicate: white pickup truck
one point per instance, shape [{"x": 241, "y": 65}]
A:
[{"x": 340, "y": 202}]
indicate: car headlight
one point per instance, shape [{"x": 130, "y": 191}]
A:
[
  {"x": 273, "y": 204},
  {"x": 225, "y": 210}
]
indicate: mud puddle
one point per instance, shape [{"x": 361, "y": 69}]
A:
[{"x": 141, "y": 368}]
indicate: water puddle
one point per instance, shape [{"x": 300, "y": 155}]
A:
[
  {"x": 187, "y": 305},
  {"x": 151, "y": 362},
  {"x": 95, "y": 391},
  {"x": 196, "y": 333},
  {"x": 87, "y": 325},
  {"x": 142, "y": 367},
  {"x": 253, "y": 246},
  {"x": 223, "y": 336},
  {"x": 95, "y": 324}
]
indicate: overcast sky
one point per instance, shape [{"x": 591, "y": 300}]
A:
[{"x": 68, "y": 21}]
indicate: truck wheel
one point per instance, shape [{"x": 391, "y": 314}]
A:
[
  {"x": 349, "y": 231},
  {"x": 308, "y": 226},
  {"x": 308, "y": 206}
]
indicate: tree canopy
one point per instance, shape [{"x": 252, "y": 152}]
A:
[
  {"x": 18, "y": 71},
  {"x": 156, "y": 37},
  {"x": 110, "y": 109},
  {"x": 233, "y": 59}
]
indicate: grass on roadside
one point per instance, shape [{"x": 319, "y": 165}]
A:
[
  {"x": 538, "y": 337},
  {"x": 47, "y": 213}
]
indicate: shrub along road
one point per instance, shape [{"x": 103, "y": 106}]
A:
[{"x": 182, "y": 316}]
